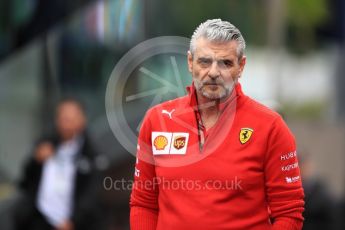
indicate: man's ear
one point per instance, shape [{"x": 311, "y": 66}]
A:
[
  {"x": 190, "y": 61},
  {"x": 242, "y": 63}
]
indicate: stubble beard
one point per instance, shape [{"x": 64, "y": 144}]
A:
[{"x": 223, "y": 92}]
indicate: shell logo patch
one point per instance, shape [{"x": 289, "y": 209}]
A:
[
  {"x": 245, "y": 135},
  {"x": 179, "y": 142},
  {"x": 160, "y": 142}
]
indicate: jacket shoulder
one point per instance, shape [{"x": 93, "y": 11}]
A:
[
  {"x": 258, "y": 109},
  {"x": 177, "y": 103}
]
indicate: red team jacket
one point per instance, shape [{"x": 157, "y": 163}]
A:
[{"x": 245, "y": 176}]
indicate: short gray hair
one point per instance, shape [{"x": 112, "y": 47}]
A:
[{"x": 219, "y": 31}]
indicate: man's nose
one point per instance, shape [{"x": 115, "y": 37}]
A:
[{"x": 214, "y": 70}]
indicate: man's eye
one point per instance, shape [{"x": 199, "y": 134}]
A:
[
  {"x": 228, "y": 63},
  {"x": 205, "y": 62}
]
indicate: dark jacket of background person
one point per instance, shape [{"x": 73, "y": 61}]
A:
[
  {"x": 320, "y": 211},
  {"x": 87, "y": 207}
]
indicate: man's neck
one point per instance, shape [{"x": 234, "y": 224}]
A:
[{"x": 209, "y": 110}]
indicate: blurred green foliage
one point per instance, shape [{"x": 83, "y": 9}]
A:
[
  {"x": 307, "y": 13},
  {"x": 306, "y": 111},
  {"x": 182, "y": 17},
  {"x": 303, "y": 18}
]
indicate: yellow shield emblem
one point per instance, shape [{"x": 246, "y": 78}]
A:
[{"x": 245, "y": 135}]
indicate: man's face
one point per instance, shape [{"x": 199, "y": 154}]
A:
[
  {"x": 215, "y": 67},
  {"x": 70, "y": 120}
]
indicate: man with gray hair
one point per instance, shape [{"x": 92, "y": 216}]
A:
[{"x": 216, "y": 159}]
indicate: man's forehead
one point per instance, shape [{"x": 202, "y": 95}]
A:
[
  {"x": 207, "y": 48},
  {"x": 69, "y": 106}
]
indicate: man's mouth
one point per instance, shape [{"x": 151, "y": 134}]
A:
[{"x": 211, "y": 84}]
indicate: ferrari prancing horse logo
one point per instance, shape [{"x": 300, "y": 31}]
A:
[{"x": 245, "y": 135}]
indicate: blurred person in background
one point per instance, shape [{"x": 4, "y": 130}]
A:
[
  {"x": 320, "y": 209},
  {"x": 61, "y": 181}
]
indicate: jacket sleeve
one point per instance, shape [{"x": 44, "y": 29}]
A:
[
  {"x": 143, "y": 201},
  {"x": 284, "y": 192}
]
